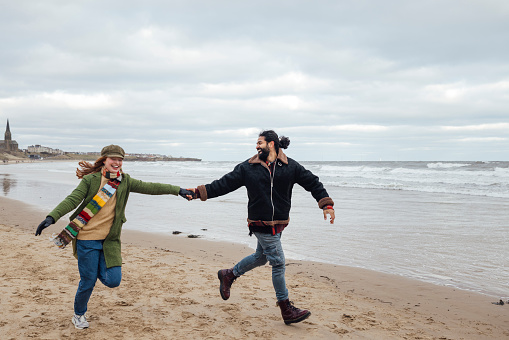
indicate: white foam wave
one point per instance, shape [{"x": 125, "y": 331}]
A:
[{"x": 441, "y": 165}]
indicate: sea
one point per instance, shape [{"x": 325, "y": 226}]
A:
[{"x": 444, "y": 223}]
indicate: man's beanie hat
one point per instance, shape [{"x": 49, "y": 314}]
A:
[{"x": 112, "y": 151}]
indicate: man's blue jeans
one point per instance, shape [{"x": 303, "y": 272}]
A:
[
  {"x": 269, "y": 249},
  {"x": 92, "y": 266}
]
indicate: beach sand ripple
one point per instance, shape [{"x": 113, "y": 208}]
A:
[{"x": 170, "y": 290}]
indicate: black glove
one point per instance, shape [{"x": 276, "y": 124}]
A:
[
  {"x": 44, "y": 224},
  {"x": 185, "y": 192}
]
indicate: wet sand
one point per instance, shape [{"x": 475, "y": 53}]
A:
[{"x": 170, "y": 290}]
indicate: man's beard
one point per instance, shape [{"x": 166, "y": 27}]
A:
[{"x": 263, "y": 154}]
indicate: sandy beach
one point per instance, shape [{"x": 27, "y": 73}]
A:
[{"x": 170, "y": 290}]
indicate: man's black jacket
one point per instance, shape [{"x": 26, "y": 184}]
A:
[{"x": 270, "y": 194}]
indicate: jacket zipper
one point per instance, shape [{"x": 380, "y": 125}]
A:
[{"x": 272, "y": 175}]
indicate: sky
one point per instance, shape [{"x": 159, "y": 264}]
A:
[{"x": 344, "y": 80}]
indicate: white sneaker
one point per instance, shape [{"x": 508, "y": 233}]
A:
[{"x": 79, "y": 321}]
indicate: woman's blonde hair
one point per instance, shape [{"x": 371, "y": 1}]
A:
[{"x": 89, "y": 168}]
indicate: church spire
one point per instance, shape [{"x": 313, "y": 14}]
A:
[{"x": 7, "y": 132}]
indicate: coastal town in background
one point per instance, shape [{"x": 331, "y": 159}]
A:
[{"x": 10, "y": 152}]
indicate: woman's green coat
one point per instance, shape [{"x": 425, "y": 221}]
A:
[{"x": 88, "y": 188}]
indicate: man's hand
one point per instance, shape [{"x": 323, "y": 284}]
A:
[
  {"x": 331, "y": 213},
  {"x": 44, "y": 224},
  {"x": 188, "y": 194}
]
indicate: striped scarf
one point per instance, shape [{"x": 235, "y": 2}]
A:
[{"x": 71, "y": 231}]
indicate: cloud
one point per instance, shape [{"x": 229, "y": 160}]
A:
[
  {"x": 248, "y": 132},
  {"x": 481, "y": 139},
  {"x": 462, "y": 92},
  {"x": 292, "y": 82},
  {"x": 479, "y": 127},
  {"x": 61, "y": 99},
  {"x": 358, "y": 128},
  {"x": 368, "y": 80},
  {"x": 338, "y": 128}
]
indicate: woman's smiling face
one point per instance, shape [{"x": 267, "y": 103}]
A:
[{"x": 113, "y": 164}]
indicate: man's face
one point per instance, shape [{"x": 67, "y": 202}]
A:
[{"x": 263, "y": 148}]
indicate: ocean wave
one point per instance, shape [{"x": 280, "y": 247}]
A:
[
  {"x": 494, "y": 190},
  {"x": 504, "y": 171},
  {"x": 338, "y": 168},
  {"x": 441, "y": 165}
]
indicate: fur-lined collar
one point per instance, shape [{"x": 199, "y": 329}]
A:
[{"x": 281, "y": 156}]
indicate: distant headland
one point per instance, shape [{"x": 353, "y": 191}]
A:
[
  {"x": 10, "y": 153},
  {"x": 22, "y": 157},
  {"x": 92, "y": 156}
]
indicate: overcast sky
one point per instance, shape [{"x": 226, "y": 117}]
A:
[{"x": 345, "y": 80}]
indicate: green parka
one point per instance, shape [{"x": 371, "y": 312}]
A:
[{"x": 88, "y": 188}]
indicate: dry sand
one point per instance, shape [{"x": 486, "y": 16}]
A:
[{"x": 170, "y": 290}]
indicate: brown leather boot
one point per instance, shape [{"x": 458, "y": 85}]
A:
[
  {"x": 226, "y": 278},
  {"x": 292, "y": 314}
]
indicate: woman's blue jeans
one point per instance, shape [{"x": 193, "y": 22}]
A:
[
  {"x": 268, "y": 249},
  {"x": 92, "y": 266}
]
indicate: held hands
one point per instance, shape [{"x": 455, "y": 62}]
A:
[
  {"x": 44, "y": 224},
  {"x": 331, "y": 213},
  {"x": 188, "y": 194}
]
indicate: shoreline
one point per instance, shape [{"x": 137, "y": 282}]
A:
[
  {"x": 7, "y": 159},
  {"x": 170, "y": 285},
  {"x": 155, "y": 235}
]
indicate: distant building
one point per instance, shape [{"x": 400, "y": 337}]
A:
[
  {"x": 8, "y": 145},
  {"x": 43, "y": 149}
]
